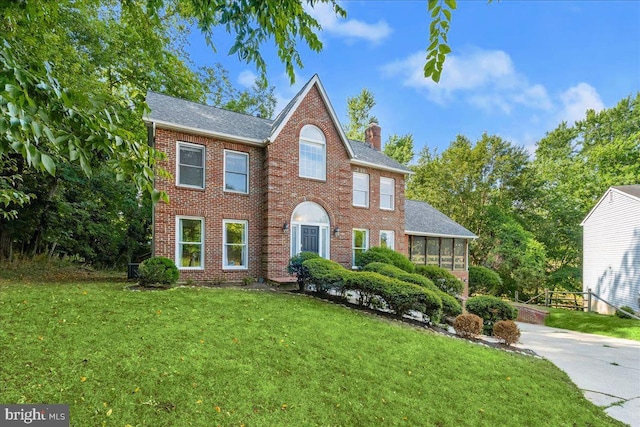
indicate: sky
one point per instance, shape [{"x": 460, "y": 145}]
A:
[{"x": 517, "y": 70}]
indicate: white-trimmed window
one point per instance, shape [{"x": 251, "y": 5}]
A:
[
  {"x": 236, "y": 171},
  {"x": 190, "y": 165},
  {"x": 313, "y": 153},
  {"x": 360, "y": 243},
  {"x": 360, "y": 189},
  {"x": 387, "y": 193},
  {"x": 387, "y": 239},
  {"x": 234, "y": 244},
  {"x": 189, "y": 242}
]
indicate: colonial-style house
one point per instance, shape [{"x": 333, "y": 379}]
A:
[
  {"x": 247, "y": 193},
  {"x": 611, "y": 250}
]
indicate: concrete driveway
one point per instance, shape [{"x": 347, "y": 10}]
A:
[{"x": 606, "y": 369}]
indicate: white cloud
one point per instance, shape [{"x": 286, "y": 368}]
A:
[
  {"x": 577, "y": 100},
  {"x": 348, "y": 28},
  {"x": 486, "y": 79},
  {"x": 247, "y": 78}
]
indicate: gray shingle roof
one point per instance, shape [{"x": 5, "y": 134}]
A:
[
  {"x": 367, "y": 154},
  {"x": 633, "y": 190},
  {"x": 422, "y": 218},
  {"x": 189, "y": 114}
]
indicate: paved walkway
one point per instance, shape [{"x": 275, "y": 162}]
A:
[{"x": 606, "y": 369}]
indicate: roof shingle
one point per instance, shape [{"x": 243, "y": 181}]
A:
[{"x": 423, "y": 219}]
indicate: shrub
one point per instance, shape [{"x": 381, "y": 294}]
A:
[
  {"x": 442, "y": 278},
  {"x": 483, "y": 280},
  {"x": 621, "y": 314},
  {"x": 468, "y": 325},
  {"x": 295, "y": 267},
  {"x": 158, "y": 272},
  {"x": 450, "y": 306},
  {"x": 368, "y": 284},
  {"x": 507, "y": 331},
  {"x": 324, "y": 274},
  {"x": 491, "y": 309},
  {"x": 386, "y": 255}
]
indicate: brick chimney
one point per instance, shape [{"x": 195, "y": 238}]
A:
[{"x": 372, "y": 136}]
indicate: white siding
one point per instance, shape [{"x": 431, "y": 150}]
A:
[{"x": 611, "y": 263}]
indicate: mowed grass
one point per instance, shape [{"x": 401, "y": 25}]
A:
[
  {"x": 594, "y": 323},
  {"x": 207, "y": 357}
]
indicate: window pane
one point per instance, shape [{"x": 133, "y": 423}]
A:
[
  {"x": 235, "y": 255},
  {"x": 459, "y": 254},
  {"x": 417, "y": 249},
  {"x": 310, "y": 212},
  {"x": 190, "y": 175},
  {"x": 359, "y": 198},
  {"x": 386, "y": 239},
  {"x": 235, "y": 244},
  {"x": 236, "y": 163},
  {"x": 433, "y": 251},
  {"x": 359, "y": 238},
  {"x": 312, "y": 161},
  {"x": 236, "y": 182},
  {"x": 191, "y": 255},
  {"x": 191, "y": 230},
  {"x": 312, "y": 133},
  {"x": 387, "y": 192},
  {"x": 191, "y": 156},
  {"x": 447, "y": 254},
  {"x": 235, "y": 232}
]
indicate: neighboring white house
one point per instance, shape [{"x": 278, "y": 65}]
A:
[{"x": 611, "y": 246}]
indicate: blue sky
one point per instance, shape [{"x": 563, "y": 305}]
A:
[{"x": 518, "y": 68}]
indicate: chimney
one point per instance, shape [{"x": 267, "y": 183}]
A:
[{"x": 372, "y": 136}]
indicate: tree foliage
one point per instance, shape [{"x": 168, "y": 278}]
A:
[
  {"x": 399, "y": 148},
  {"x": 359, "y": 114}
]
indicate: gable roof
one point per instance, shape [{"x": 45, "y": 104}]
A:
[
  {"x": 191, "y": 117},
  {"x": 631, "y": 191},
  {"x": 422, "y": 219}
]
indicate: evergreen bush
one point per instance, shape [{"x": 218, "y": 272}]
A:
[
  {"x": 442, "y": 278},
  {"x": 324, "y": 274},
  {"x": 468, "y": 325},
  {"x": 386, "y": 255},
  {"x": 483, "y": 281},
  {"x": 295, "y": 267},
  {"x": 621, "y": 314},
  {"x": 158, "y": 272},
  {"x": 507, "y": 331},
  {"x": 491, "y": 310}
]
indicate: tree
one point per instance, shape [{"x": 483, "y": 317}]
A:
[
  {"x": 399, "y": 148},
  {"x": 359, "y": 114}
]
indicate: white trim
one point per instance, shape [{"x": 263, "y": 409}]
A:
[
  {"x": 324, "y": 226},
  {"x": 204, "y": 163},
  {"x": 178, "y": 248},
  {"x": 224, "y": 171},
  {"x": 393, "y": 194},
  {"x": 604, "y": 196},
  {"x": 455, "y": 236},
  {"x": 246, "y": 244},
  {"x": 315, "y": 80},
  {"x": 353, "y": 189},
  {"x": 197, "y": 131},
  {"x": 357, "y": 162}
]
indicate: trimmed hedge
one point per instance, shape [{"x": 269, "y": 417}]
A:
[
  {"x": 450, "y": 306},
  {"x": 483, "y": 280},
  {"x": 491, "y": 310},
  {"x": 158, "y": 272},
  {"x": 442, "y": 278},
  {"x": 324, "y": 274},
  {"x": 295, "y": 267},
  {"x": 386, "y": 255}
]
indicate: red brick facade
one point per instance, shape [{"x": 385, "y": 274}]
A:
[{"x": 275, "y": 190}]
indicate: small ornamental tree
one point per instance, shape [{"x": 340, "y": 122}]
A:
[
  {"x": 158, "y": 272},
  {"x": 483, "y": 280}
]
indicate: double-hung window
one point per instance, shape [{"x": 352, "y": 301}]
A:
[
  {"x": 236, "y": 171},
  {"x": 360, "y": 189},
  {"x": 234, "y": 246},
  {"x": 190, "y": 165},
  {"x": 387, "y": 193},
  {"x": 360, "y": 243},
  {"x": 313, "y": 153},
  {"x": 190, "y": 243}
]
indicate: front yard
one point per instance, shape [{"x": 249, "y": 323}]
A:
[
  {"x": 200, "y": 356},
  {"x": 594, "y": 323}
]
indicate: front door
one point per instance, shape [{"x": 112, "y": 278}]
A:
[{"x": 309, "y": 238}]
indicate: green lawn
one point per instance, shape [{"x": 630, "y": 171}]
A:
[
  {"x": 594, "y": 323},
  {"x": 207, "y": 357}
]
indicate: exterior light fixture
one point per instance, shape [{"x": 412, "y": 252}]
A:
[
  {"x": 336, "y": 231},
  {"x": 285, "y": 227}
]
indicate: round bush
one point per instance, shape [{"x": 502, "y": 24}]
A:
[
  {"x": 442, "y": 278},
  {"x": 491, "y": 309},
  {"x": 468, "y": 325},
  {"x": 507, "y": 331},
  {"x": 483, "y": 280},
  {"x": 386, "y": 255},
  {"x": 325, "y": 274},
  {"x": 621, "y": 314},
  {"x": 158, "y": 272}
]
